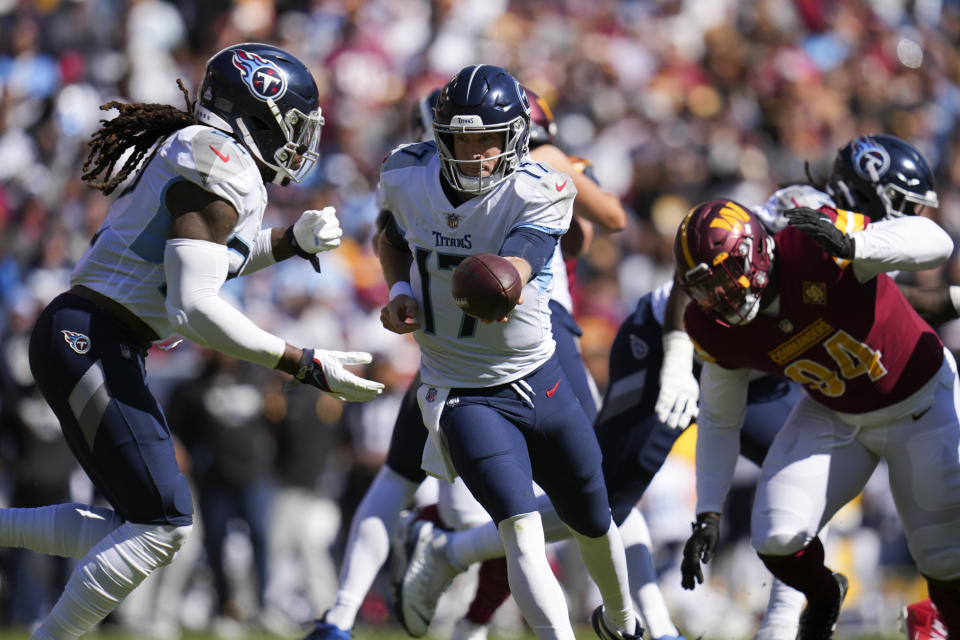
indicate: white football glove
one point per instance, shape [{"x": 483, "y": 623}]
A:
[
  {"x": 315, "y": 232},
  {"x": 679, "y": 392},
  {"x": 324, "y": 370}
]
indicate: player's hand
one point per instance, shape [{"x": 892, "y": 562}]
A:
[
  {"x": 325, "y": 370},
  {"x": 821, "y": 228},
  {"x": 679, "y": 392},
  {"x": 699, "y": 548},
  {"x": 400, "y": 315},
  {"x": 315, "y": 232}
]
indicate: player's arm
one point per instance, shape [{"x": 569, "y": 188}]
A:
[
  {"x": 529, "y": 249},
  {"x": 400, "y": 313},
  {"x": 600, "y": 207},
  {"x": 723, "y": 405},
  {"x": 314, "y": 232},
  {"x": 196, "y": 265},
  {"x": 910, "y": 243},
  {"x": 679, "y": 392},
  {"x": 935, "y": 305}
]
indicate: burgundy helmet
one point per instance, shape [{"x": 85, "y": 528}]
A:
[
  {"x": 543, "y": 130},
  {"x": 724, "y": 259}
]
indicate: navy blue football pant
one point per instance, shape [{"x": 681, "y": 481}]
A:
[
  {"x": 634, "y": 442},
  {"x": 90, "y": 368},
  {"x": 500, "y": 442},
  {"x": 409, "y": 434}
]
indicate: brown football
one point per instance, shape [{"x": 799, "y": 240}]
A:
[{"x": 486, "y": 286}]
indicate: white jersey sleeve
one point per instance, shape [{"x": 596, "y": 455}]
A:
[
  {"x": 723, "y": 407},
  {"x": 125, "y": 258}
]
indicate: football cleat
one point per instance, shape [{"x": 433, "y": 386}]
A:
[
  {"x": 323, "y": 630},
  {"x": 818, "y": 620},
  {"x": 466, "y": 629},
  {"x": 605, "y": 632},
  {"x": 921, "y": 621},
  {"x": 426, "y": 573}
]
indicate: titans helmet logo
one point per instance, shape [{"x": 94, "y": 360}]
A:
[
  {"x": 870, "y": 160},
  {"x": 77, "y": 341},
  {"x": 263, "y": 78}
]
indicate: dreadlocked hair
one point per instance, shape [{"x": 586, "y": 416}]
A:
[{"x": 138, "y": 126}]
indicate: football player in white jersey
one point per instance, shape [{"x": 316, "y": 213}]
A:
[
  {"x": 494, "y": 397},
  {"x": 188, "y": 219}
]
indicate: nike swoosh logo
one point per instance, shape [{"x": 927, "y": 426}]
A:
[
  {"x": 225, "y": 158},
  {"x": 917, "y": 416},
  {"x": 560, "y": 185},
  {"x": 550, "y": 392}
]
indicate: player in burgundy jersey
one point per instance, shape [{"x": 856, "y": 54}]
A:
[{"x": 813, "y": 304}]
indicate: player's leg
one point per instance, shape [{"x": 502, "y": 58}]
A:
[
  {"x": 114, "y": 426},
  {"x": 368, "y": 541},
  {"x": 492, "y": 586},
  {"x": 491, "y": 454},
  {"x": 769, "y": 402},
  {"x": 923, "y": 460},
  {"x": 635, "y": 445},
  {"x": 814, "y": 467},
  {"x": 567, "y": 464}
]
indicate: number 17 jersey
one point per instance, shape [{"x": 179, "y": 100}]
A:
[{"x": 458, "y": 350}]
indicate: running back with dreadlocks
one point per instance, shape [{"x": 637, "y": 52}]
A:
[
  {"x": 139, "y": 125},
  {"x": 190, "y": 216}
]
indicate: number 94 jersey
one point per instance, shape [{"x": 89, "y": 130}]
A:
[
  {"x": 458, "y": 350},
  {"x": 855, "y": 347}
]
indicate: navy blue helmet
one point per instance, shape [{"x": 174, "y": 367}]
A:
[
  {"x": 268, "y": 100},
  {"x": 881, "y": 176},
  {"x": 481, "y": 99},
  {"x": 421, "y": 117}
]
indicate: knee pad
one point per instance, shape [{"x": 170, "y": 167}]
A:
[
  {"x": 779, "y": 544},
  {"x": 158, "y": 542}
]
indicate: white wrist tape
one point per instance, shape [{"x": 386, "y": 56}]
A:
[
  {"x": 401, "y": 288},
  {"x": 195, "y": 271},
  {"x": 677, "y": 351},
  {"x": 955, "y": 298}
]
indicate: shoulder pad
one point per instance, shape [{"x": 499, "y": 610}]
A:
[
  {"x": 790, "y": 197},
  {"x": 409, "y": 155},
  {"x": 701, "y": 352},
  {"x": 546, "y": 181},
  {"x": 219, "y": 158}
]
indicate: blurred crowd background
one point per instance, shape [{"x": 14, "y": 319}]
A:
[{"x": 673, "y": 101}]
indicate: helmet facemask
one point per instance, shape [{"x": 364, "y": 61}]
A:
[
  {"x": 513, "y": 147},
  {"x": 731, "y": 288},
  {"x": 295, "y": 159}
]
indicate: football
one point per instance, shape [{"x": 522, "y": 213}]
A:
[{"x": 486, "y": 286}]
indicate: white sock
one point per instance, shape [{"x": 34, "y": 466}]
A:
[
  {"x": 782, "y": 617},
  {"x": 368, "y": 544},
  {"x": 643, "y": 576},
  {"x": 532, "y": 583},
  {"x": 483, "y": 542},
  {"x": 107, "y": 574},
  {"x": 66, "y": 530},
  {"x": 606, "y": 562},
  {"x": 474, "y": 545}
]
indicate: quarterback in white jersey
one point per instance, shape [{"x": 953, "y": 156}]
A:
[
  {"x": 494, "y": 398},
  {"x": 441, "y": 234},
  {"x": 189, "y": 219}
]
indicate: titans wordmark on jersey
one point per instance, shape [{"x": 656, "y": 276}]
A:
[
  {"x": 457, "y": 350},
  {"x": 125, "y": 258}
]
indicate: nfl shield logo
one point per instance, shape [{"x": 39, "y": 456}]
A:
[
  {"x": 431, "y": 394},
  {"x": 453, "y": 220}
]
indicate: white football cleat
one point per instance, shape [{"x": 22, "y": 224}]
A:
[
  {"x": 466, "y": 629},
  {"x": 427, "y": 574}
]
